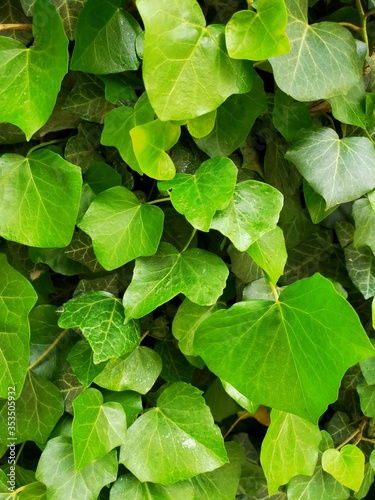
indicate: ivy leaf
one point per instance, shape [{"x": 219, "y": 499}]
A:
[
  {"x": 100, "y": 177},
  {"x": 309, "y": 322},
  {"x": 97, "y": 427},
  {"x": 346, "y": 465},
  {"x": 315, "y": 204},
  {"x": 105, "y": 39},
  {"x": 360, "y": 264},
  {"x": 80, "y": 250},
  {"x": 137, "y": 371},
  {"x": 202, "y": 125},
  {"x": 269, "y": 253},
  {"x": 289, "y": 448},
  {"x": 28, "y": 93},
  {"x": 121, "y": 227},
  {"x": 367, "y": 398},
  {"x": 258, "y": 35},
  {"x": 184, "y": 438},
  {"x": 69, "y": 11},
  {"x": 56, "y": 471},
  {"x": 128, "y": 487},
  {"x": 254, "y": 210},
  {"x": 17, "y": 299},
  {"x": 338, "y": 169},
  {"x": 234, "y": 120},
  {"x": 322, "y": 61},
  {"x": 100, "y": 317},
  {"x": 198, "y": 274},
  {"x": 11, "y": 13},
  {"x": 198, "y": 196},
  {"x": 290, "y": 116},
  {"x": 182, "y": 58},
  {"x": 39, "y": 397},
  {"x": 117, "y": 126},
  {"x": 150, "y": 143},
  {"x": 364, "y": 218},
  {"x": 81, "y": 360},
  {"x": 39, "y": 199}
]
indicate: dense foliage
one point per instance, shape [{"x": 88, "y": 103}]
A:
[{"x": 187, "y": 249}]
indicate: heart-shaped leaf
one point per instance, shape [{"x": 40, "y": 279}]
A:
[
  {"x": 184, "y": 438},
  {"x": 199, "y": 196},
  {"x": 121, "y": 227},
  {"x": 347, "y": 465},
  {"x": 309, "y": 324},
  {"x": 198, "y": 274},
  {"x": 192, "y": 74},
  {"x": 258, "y": 35}
]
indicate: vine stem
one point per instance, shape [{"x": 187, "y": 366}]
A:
[
  {"x": 4, "y": 27},
  {"x": 19, "y": 453},
  {"x": 363, "y": 18},
  {"x": 49, "y": 349},
  {"x": 244, "y": 416},
  {"x": 144, "y": 336},
  {"x": 42, "y": 144},
  {"x": 159, "y": 200},
  {"x": 190, "y": 240},
  {"x": 351, "y": 26}
]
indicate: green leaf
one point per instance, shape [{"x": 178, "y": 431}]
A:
[
  {"x": 69, "y": 11},
  {"x": 234, "y": 120},
  {"x": 105, "y": 39},
  {"x": 120, "y": 121},
  {"x": 17, "y": 299},
  {"x": 360, "y": 264},
  {"x": 128, "y": 487},
  {"x": 28, "y": 92},
  {"x": 367, "y": 398},
  {"x": 38, "y": 397},
  {"x": 56, "y": 471},
  {"x": 150, "y": 143},
  {"x": 39, "y": 199},
  {"x": 81, "y": 360},
  {"x": 176, "y": 367},
  {"x": 202, "y": 125},
  {"x": 100, "y": 177},
  {"x": 186, "y": 321},
  {"x": 315, "y": 204},
  {"x": 80, "y": 250},
  {"x": 258, "y": 35},
  {"x": 11, "y": 13},
  {"x": 137, "y": 371},
  {"x": 182, "y": 435},
  {"x": 253, "y": 211},
  {"x": 100, "y": 317},
  {"x": 129, "y": 400},
  {"x": 33, "y": 491},
  {"x": 182, "y": 58},
  {"x": 346, "y": 164},
  {"x": 97, "y": 427},
  {"x": 346, "y": 465},
  {"x": 198, "y": 274},
  {"x": 309, "y": 323},
  {"x": 199, "y": 196},
  {"x": 118, "y": 89},
  {"x": 121, "y": 227},
  {"x": 290, "y": 116},
  {"x": 289, "y": 448},
  {"x": 269, "y": 253},
  {"x": 364, "y": 218},
  {"x": 322, "y": 61},
  {"x": 82, "y": 148},
  {"x": 320, "y": 485}
]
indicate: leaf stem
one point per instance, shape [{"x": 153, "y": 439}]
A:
[
  {"x": 351, "y": 26},
  {"x": 19, "y": 453},
  {"x": 190, "y": 240},
  {"x": 370, "y": 13},
  {"x": 48, "y": 350},
  {"x": 4, "y": 27},
  {"x": 358, "y": 432},
  {"x": 43, "y": 144},
  {"x": 144, "y": 335},
  {"x": 363, "y": 19},
  {"x": 158, "y": 200},
  {"x": 243, "y": 416}
]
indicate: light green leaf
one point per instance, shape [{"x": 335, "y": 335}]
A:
[
  {"x": 186, "y": 321},
  {"x": 311, "y": 333},
  {"x": 105, "y": 39},
  {"x": 290, "y": 116},
  {"x": 39, "y": 397},
  {"x": 202, "y": 125},
  {"x": 338, "y": 169},
  {"x": 289, "y": 448},
  {"x": 366, "y": 483},
  {"x": 198, "y": 274},
  {"x": 269, "y": 253},
  {"x": 69, "y": 11},
  {"x": 346, "y": 465},
  {"x": 33, "y": 491},
  {"x": 320, "y": 485},
  {"x": 253, "y": 211},
  {"x": 186, "y": 69},
  {"x": 364, "y": 218},
  {"x": 258, "y": 35},
  {"x": 129, "y": 400},
  {"x": 117, "y": 126},
  {"x": 56, "y": 471},
  {"x": 182, "y": 435},
  {"x": 234, "y": 120},
  {"x": 81, "y": 360},
  {"x": 199, "y": 196},
  {"x": 17, "y": 299},
  {"x": 150, "y": 143},
  {"x": 100, "y": 317},
  {"x": 322, "y": 61},
  {"x": 121, "y": 227},
  {"x": 360, "y": 264},
  {"x": 137, "y": 371},
  {"x": 97, "y": 427},
  {"x": 128, "y": 487},
  {"x": 27, "y": 92},
  {"x": 39, "y": 199}
]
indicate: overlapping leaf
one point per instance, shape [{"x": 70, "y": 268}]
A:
[
  {"x": 186, "y": 68},
  {"x": 27, "y": 91},
  {"x": 338, "y": 169},
  {"x": 198, "y": 274},
  {"x": 302, "y": 334},
  {"x": 100, "y": 317},
  {"x": 364, "y": 218},
  {"x": 346, "y": 465},
  {"x": 254, "y": 210},
  {"x": 199, "y": 196},
  {"x": 185, "y": 441},
  {"x": 121, "y": 228},
  {"x": 69, "y": 11}
]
